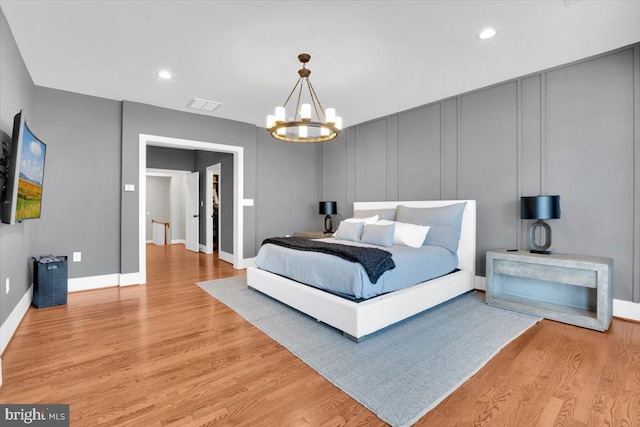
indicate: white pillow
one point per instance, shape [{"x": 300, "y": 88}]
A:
[
  {"x": 370, "y": 220},
  {"x": 411, "y": 235}
]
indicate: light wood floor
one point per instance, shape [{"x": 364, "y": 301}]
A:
[{"x": 169, "y": 354}]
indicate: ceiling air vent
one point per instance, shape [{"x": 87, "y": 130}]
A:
[{"x": 203, "y": 104}]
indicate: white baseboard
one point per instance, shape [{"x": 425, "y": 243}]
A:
[
  {"x": 93, "y": 282},
  {"x": 242, "y": 263},
  {"x": 173, "y": 241},
  {"x": 247, "y": 262},
  {"x": 105, "y": 281},
  {"x": 225, "y": 256},
  {"x": 130, "y": 279},
  {"x": 10, "y": 325},
  {"x": 480, "y": 283},
  {"x": 626, "y": 310}
]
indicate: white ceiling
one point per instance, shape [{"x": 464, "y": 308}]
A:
[{"x": 369, "y": 58}]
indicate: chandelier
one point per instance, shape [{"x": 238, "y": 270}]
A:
[{"x": 325, "y": 126}]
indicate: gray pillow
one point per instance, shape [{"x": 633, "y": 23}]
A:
[
  {"x": 445, "y": 223},
  {"x": 349, "y": 231},
  {"x": 389, "y": 214},
  {"x": 378, "y": 234}
]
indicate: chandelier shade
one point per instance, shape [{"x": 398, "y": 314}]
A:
[{"x": 305, "y": 126}]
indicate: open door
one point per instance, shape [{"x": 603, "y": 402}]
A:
[{"x": 192, "y": 210}]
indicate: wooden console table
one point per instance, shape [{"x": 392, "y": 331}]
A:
[{"x": 567, "y": 288}]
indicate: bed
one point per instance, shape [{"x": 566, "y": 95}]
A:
[{"x": 357, "y": 318}]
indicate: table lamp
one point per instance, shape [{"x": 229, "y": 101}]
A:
[
  {"x": 540, "y": 208},
  {"x": 328, "y": 209}
]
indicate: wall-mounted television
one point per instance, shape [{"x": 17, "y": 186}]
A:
[{"x": 25, "y": 170}]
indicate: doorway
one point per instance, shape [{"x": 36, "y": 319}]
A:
[
  {"x": 176, "y": 198},
  {"x": 237, "y": 257},
  {"x": 178, "y": 217}
]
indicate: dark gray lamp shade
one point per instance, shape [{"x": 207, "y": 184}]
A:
[
  {"x": 540, "y": 208},
  {"x": 328, "y": 209}
]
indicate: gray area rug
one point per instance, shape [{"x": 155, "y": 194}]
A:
[{"x": 399, "y": 373}]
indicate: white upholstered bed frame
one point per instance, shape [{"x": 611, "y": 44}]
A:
[{"x": 356, "y": 320}]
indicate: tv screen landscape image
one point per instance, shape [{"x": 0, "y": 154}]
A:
[{"x": 26, "y": 174}]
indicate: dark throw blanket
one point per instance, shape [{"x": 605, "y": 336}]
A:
[{"x": 375, "y": 261}]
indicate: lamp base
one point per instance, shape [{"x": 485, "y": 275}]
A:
[
  {"x": 534, "y": 251},
  {"x": 544, "y": 248},
  {"x": 328, "y": 225}
]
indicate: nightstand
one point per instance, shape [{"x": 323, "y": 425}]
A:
[
  {"x": 312, "y": 234},
  {"x": 567, "y": 288}
]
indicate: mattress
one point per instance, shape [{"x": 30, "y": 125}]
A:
[{"x": 349, "y": 279}]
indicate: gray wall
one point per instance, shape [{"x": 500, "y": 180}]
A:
[
  {"x": 17, "y": 93},
  {"x": 158, "y": 203},
  {"x": 572, "y": 130},
  {"x": 170, "y": 158},
  {"x": 81, "y": 192},
  {"x": 288, "y": 188}
]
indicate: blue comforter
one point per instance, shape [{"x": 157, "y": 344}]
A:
[{"x": 328, "y": 272}]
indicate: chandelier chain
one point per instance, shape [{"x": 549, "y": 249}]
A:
[
  {"x": 295, "y": 113},
  {"x": 292, "y": 90},
  {"x": 315, "y": 98}
]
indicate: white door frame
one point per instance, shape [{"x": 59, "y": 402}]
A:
[
  {"x": 212, "y": 170},
  {"x": 238, "y": 193}
]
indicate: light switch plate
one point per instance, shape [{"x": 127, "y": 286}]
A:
[{"x": 129, "y": 187}]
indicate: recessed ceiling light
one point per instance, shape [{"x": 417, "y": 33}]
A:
[
  {"x": 487, "y": 33},
  {"x": 164, "y": 74}
]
